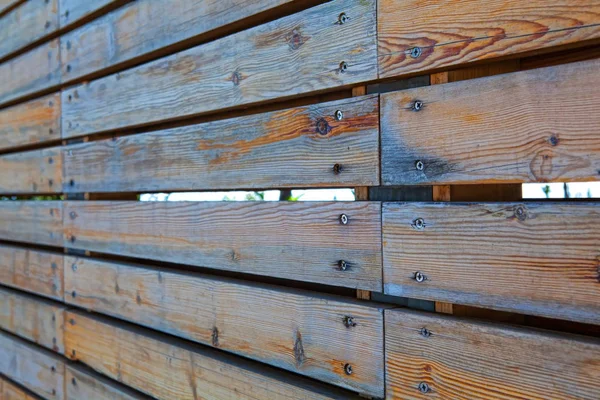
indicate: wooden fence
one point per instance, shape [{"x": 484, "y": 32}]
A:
[{"x": 439, "y": 282}]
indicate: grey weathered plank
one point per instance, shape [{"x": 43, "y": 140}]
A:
[
  {"x": 5, "y": 5},
  {"x": 534, "y": 126},
  {"x": 33, "y": 367},
  {"x": 461, "y": 359},
  {"x": 146, "y": 26},
  {"x": 37, "y": 222},
  {"x": 31, "y": 72},
  {"x": 300, "y": 331},
  {"x": 539, "y": 259},
  {"x": 26, "y": 24},
  {"x": 276, "y": 149},
  {"x": 37, "y": 171},
  {"x": 294, "y": 240},
  {"x": 32, "y": 318},
  {"x": 72, "y": 11},
  {"x": 169, "y": 369},
  {"x": 298, "y": 54},
  {"x": 83, "y": 383},
  {"x": 33, "y": 122}
]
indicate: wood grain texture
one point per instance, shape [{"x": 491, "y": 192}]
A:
[
  {"x": 298, "y": 54},
  {"x": 452, "y": 32},
  {"x": 26, "y": 24},
  {"x": 534, "y": 126},
  {"x": 278, "y": 149},
  {"x": 38, "y": 222},
  {"x": 476, "y": 361},
  {"x": 169, "y": 369},
  {"x": 536, "y": 259},
  {"x": 37, "y": 171},
  {"x": 30, "y": 123},
  {"x": 72, "y": 11},
  {"x": 145, "y": 26},
  {"x": 300, "y": 331},
  {"x": 294, "y": 240},
  {"x": 32, "y": 367},
  {"x": 31, "y": 72},
  {"x": 82, "y": 383},
  {"x": 33, "y": 319},
  {"x": 32, "y": 271},
  {"x": 10, "y": 391}
]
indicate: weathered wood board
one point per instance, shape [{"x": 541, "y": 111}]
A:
[
  {"x": 37, "y": 222},
  {"x": 452, "y": 32},
  {"x": 5, "y": 5},
  {"x": 30, "y": 123},
  {"x": 298, "y": 147},
  {"x": 26, "y": 24},
  {"x": 32, "y": 367},
  {"x": 37, "y": 272},
  {"x": 476, "y": 361},
  {"x": 31, "y": 72},
  {"x": 169, "y": 369},
  {"x": 36, "y": 171},
  {"x": 304, "y": 241},
  {"x": 145, "y": 26},
  {"x": 10, "y": 391},
  {"x": 83, "y": 383},
  {"x": 536, "y": 259},
  {"x": 301, "y": 331},
  {"x": 34, "y": 319},
  {"x": 72, "y": 11},
  {"x": 535, "y": 126},
  {"x": 305, "y": 52}
]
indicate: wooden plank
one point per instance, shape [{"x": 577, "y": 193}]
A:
[
  {"x": 34, "y": 319},
  {"x": 37, "y": 171},
  {"x": 170, "y": 369},
  {"x": 7, "y": 5},
  {"x": 72, "y": 11},
  {"x": 26, "y": 24},
  {"x": 10, "y": 391},
  {"x": 83, "y": 383},
  {"x": 146, "y": 26},
  {"x": 34, "y": 122},
  {"x": 298, "y": 54},
  {"x": 446, "y": 35},
  {"x": 31, "y": 72},
  {"x": 32, "y": 367},
  {"x": 502, "y": 129},
  {"x": 294, "y": 240},
  {"x": 33, "y": 271},
  {"x": 536, "y": 259},
  {"x": 300, "y": 331},
  {"x": 471, "y": 360},
  {"x": 37, "y": 222},
  {"x": 298, "y": 147}
]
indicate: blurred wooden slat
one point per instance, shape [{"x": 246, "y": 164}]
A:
[
  {"x": 72, "y": 11},
  {"x": 82, "y": 383},
  {"x": 38, "y": 222},
  {"x": 10, "y": 391},
  {"x": 271, "y": 150},
  {"x": 294, "y": 240},
  {"x": 37, "y": 171},
  {"x": 453, "y": 32},
  {"x": 299, "y": 54},
  {"x": 538, "y": 259},
  {"x": 478, "y": 361},
  {"x": 301, "y": 331},
  {"x": 534, "y": 126}
]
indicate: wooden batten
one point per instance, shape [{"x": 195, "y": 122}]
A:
[
  {"x": 84, "y": 383},
  {"x": 36, "y": 222},
  {"x": 36, "y": 171}
]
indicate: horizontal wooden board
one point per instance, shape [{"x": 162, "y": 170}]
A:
[
  {"x": 72, "y": 11},
  {"x": 476, "y": 361},
  {"x": 169, "y": 369},
  {"x": 301, "y": 331},
  {"x": 5, "y": 5},
  {"x": 452, "y": 32},
  {"x": 535, "y": 126},
  {"x": 10, "y": 391},
  {"x": 298, "y": 147},
  {"x": 146, "y": 26},
  {"x": 34, "y": 319},
  {"x": 26, "y": 24},
  {"x": 32, "y": 271},
  {"x": 31, "y": 72},
  {"x": 37, "y": 171},
  {"x": 539, "y": 259},
  {"x": 32, "y": 222},
  {"x": 83, "y": 383},
  {"x": 294, "y": 240},
  {"x": 301, "y": 53},
  {"x": 30, "y": 123},
  {"x": 32, "y": 367}
]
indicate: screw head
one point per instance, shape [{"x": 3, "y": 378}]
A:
[
  {"x": 424, "y": 387},
  {"x": 74, "y": 267},
  {"x": 344, "y": 219},
  {"x": 342, "y": 265},
  {"x": 322, "y": 126},
  {"x": 420, "y": 277},
  {"x": 342, "y": 18},
  {"x": 415, "y": 52},
  {"x": 339, "y": 115},
  {"x": 553, "y": 140},
  {"x": 417, "y": 105},
  {"x": 74, "y": 382},
  {"x": 425, "y": 332},
  {"x": 419, "y": 223},
  {"x": 419, "y": 165},
  {"x": 343, "y": 66},
  {"x": 348, "y": 369},
  {"x": 349, "y": 321},
  {"x": 337, "y": 168},
  {"x": 73, "y": 214}
]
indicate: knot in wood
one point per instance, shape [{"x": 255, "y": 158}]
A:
[{"x": 236, "y": 78}]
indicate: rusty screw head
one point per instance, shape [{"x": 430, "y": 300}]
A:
[
  {"x": 348, "y": 369},
  {"x": 343, "y": 66},
  {"x": 344, "y": 219},
  {"x": 420, "y": 277},
  {"x": 425, "y": 332},
  {"x": 342, "y": 265},
  {"x": 423, "y": 387},
  {"x": 419, "y": 165},
  {"x": 419, "y": 223},
  {"x": 339, "y": 115},
  {"x": 342, "y": 18},
  {"x": 337, "y": 168},
  {"x": 417, "y": 105},
  {"x": 349, "y": 321},
  {"x": 415, "y": 52}
]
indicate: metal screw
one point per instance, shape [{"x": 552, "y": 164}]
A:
[
  {"x": 339, "y": 115},
  {"x": 553, "y": 140},
  {"x": 417, "y": 105},
  {"x": 415, "y": 52},
  {"x": 72, "y": 321},
  {"x": 53, "y": 369},
  {"x": 342, "y": 265},
  {"x": 73, "y": 214},
  {"x": 74, "y": 267},
  {"x": 423, "y": 387},
  {"x": 53, "y": 265},
  {"x": 343, "y": 18},
  {"x": 349, "y": 321},
  {"x": 73, "y": 353},
  {"x": 50, "y": 160},
  {"x": 50, "y": 182},
  {"x": 419, "y": 277},
  {"x": 72, "y": 182},
  {"x": 419, "y": 223},
  {"x": 53, "y": 392},
  {"x": 425, "y": 332},
  {"x": 344, "y": 219},
  {"x": 348, "y": 369},
  {"x": 419, "y": 165},
  {"x": 74, "y": 294},
  {"x": 343, "y": 66},
  {"x": 68, "y": 67},
  {"x": 337, "y": 168},
  {"x": 521, "y": 214},
  {"x": 51, "y": 131},
  {"x": 74, "y": 382},
  {"x": 322, "y": 126},
  {"x": 72, "y": 239},
  {"x": 47, "y": 24}
]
